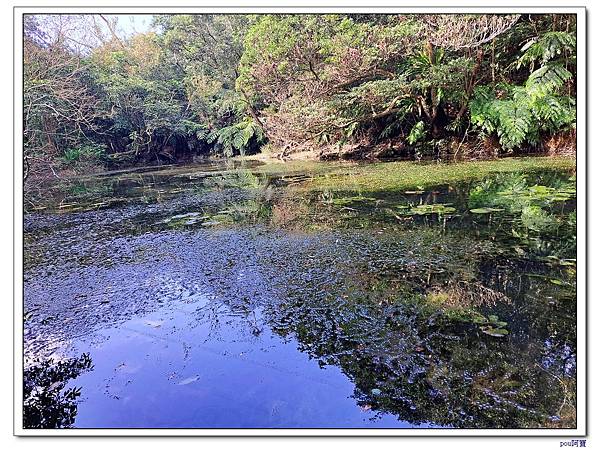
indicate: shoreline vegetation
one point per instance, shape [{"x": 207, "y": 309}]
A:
[{"x": 363, "y": 87}]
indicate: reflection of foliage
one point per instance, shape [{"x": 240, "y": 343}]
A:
[
  {"x": 535, "y": 205},
  {"x": 440, "y": 370},
  {"x": 256, "y": 190},
  {"x": 45, "y": 404},
  {"x": 435, "y": 208},
  {"x": 433, "y": 330},
  {"x": 239, "y": 179},
  {"x": 411, "y": 318},
  {"x": 536, "y": 219},
  {"x": 465, "y": 294}
]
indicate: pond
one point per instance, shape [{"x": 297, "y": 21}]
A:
[{"x": 319, "y": 295}]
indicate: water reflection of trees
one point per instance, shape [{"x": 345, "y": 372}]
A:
[
  {"x": 370, "y": 312},
  {"x": 46, "y": 402},
  {"x": 431, "y": 363},
  {"x": 430, "y": 369}
]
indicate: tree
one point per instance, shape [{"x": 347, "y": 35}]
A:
[
  {"x": 226, "y": 84},
  {"x": 207, "y": 49},
  {"x": 307, "y": 68},
  {"x": 59, "y": 109},
  {"x": 360, "y": 79},
  {"x": 145, "y": 96}
]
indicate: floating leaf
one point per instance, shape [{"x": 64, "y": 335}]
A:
[
  {"x": 496, "y": 332},
  {"x": 436, "y": 208},
  {"x": 348, "y": 200},
  {"x": 485, "y": 210},
  {"x": 479, "y": 320}
]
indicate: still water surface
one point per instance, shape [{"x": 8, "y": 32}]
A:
[{"x": 229, "y": 296}]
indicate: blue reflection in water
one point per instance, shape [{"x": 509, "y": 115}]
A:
[{"x": 196, "y": 364}]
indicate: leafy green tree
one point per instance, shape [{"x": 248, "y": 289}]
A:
[
  {"x": 227, "y": 84},
  {"x": 207, "y": 49},
  {"x": 360, "y": 80},
  {"x": 145, "y": 96}
]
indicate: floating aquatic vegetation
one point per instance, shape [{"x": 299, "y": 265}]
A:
[
  {"x": 492, "y": 326},
  {"x": 409, "y": 310},
  {"x": 348, "y": 200},
  {"x": 426, "y": 209},
  {"x": 404, "y": 175},
  {"x": 485, "y": 210}
]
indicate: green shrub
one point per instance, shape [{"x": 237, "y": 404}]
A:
[{"x": 87, "y": 152}]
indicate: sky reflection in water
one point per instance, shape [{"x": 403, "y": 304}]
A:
[{"x": 229, "y": 299}]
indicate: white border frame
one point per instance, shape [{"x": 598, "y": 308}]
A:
[{"x": 582, "y": 382}]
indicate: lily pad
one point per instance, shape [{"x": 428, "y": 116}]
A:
[
  {"x": 491, "y": 325},
  {"x": 436, "y": 208},
  {"x": 347, "y": 200},
  {"x": 496, "y": 332},
  {"x": 485, "y": 210}
]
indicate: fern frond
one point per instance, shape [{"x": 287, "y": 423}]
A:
[
  {"x": 514, "y": 122},
  {"x": 547, "y": 47},
  {"x": 548, "y": 78}
]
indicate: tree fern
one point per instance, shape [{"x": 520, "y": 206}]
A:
[
  {"x": 558, "y": 111},
  {"x": 547, "y": 47},
  {"x": 546, "y": 79},
  {"x": 236, "y": 137},
  {"x": 525, "y": 111},
  {"x": 514, "y": 122},
  {"x": 481, "y": 106}
]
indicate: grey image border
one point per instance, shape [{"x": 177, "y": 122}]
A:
[{"x": 582, "y": 227}]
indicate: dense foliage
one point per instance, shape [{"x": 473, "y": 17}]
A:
[{"x": 353, "y": 84}]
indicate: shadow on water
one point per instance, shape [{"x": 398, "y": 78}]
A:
[{"x": 234, "y": 297}]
